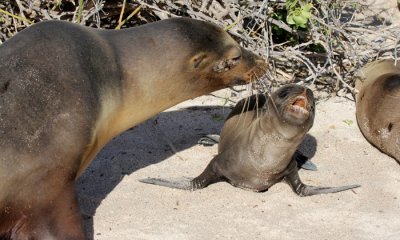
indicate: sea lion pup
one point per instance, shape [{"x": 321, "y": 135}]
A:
[
  {"x": 378, "y": 105},
  {"x": 258, "y": 142},
  {"x": 66, "y": 90}
]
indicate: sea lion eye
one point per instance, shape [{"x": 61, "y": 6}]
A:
[
  {"x": 233, "y": 61},
  {"x": 283, "y": 93},
  {"x": 234, "y": 55},
  {"x": 237, "y": 58}
]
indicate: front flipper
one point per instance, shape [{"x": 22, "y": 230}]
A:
[
  {"x": 303, "y": 162},
  {"x": 302, "y": 190}
]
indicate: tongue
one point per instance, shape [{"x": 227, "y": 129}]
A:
[{"x": 300, "y": 102}]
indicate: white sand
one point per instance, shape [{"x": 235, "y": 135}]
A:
[
  {"x": 117, "y": 206},
  {"x": 123, "y": 208}
]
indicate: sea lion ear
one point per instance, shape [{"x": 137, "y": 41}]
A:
[{"x": 198, "y": 60}]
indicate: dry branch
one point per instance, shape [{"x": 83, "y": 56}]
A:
[{"x": 346, "y": 42}]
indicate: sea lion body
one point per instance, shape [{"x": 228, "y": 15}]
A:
[
  {"x": 66, "y": 90},
  {"x": 378, "y": 105},
  {"x": 258, "y": 144}
]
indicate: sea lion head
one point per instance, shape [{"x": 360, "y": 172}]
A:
[
  {"x": 213, "y": 58},
  {"x": 377, "y": 105},
  {"x": 376, "y": 101},
  {"x": 378, "y": 93},
  {"x": 295, "y": 104},
  {"x": 391, "y": 84},
  {"x": 375, "y": 73}
]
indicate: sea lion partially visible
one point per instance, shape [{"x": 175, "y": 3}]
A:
[
  {"x": 258, "y": 144},
  {"x": 66, "y": 90},
  {"x": 378, "y": 105}
]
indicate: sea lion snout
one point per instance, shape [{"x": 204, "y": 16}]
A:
[
  {"x": 296, "y": 104},
  {"x": 300, "y": 108},
  {"x": 260, "y": 66},
  {"x": 300, "y": 105},
  {"x": 304, "y": 101}
]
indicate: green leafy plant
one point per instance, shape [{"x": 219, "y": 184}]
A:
[{"x": 298, "y": 15}]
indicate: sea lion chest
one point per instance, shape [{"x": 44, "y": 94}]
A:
[{"x": 258, "y": 154}]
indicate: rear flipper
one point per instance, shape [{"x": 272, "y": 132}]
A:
[
  {"x": 305, "y": 190},
  {"x": 303, "y": 162},
  {"x": 209, "y": 140},
  {"x": 179, "y": 183},
  {"x": 208, "y": 176},
  {"x": 302, "y": 190}
]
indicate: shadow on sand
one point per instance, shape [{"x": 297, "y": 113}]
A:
[{"x": 149, "y": 143}]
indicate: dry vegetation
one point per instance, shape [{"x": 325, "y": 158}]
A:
[{"x": 326, "y": 51}]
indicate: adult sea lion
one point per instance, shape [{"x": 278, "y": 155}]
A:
[
  {"x": 66, "y": 90},
  {"x": 258, "y": 144},
  {"x": 378, "y": 105}
]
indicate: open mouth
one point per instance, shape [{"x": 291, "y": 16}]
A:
[{"x": 299, "y": 107}]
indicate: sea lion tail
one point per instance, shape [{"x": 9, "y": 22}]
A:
[
  {"x": 181, "y": 183},
  {"x": 306, "y": 190}
]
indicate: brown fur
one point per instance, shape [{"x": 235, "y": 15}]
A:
[
  {"x": 258, "y": 145},
  {"x": 378, "y": 109},
  {"x": 66, "y": 90}
]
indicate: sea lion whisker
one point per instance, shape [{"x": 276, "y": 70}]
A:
[
  {"x": 245, "y": 108},
  {"x": 275, "y": 106},
  {"x": 256, "y": 95},
  {"x": 256, "y": 108},
  {"x": 263, "y": 84}
]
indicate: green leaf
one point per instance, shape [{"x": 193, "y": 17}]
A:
[
  {"x": 300, "y": 16},
  {"x": 307, "y": 7},
  {"x": 300, "y": 21},
  {"x": 348, "y": 121},
  {"x": 290, "y": 20},
  {"x": 290, "y": 4}
]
